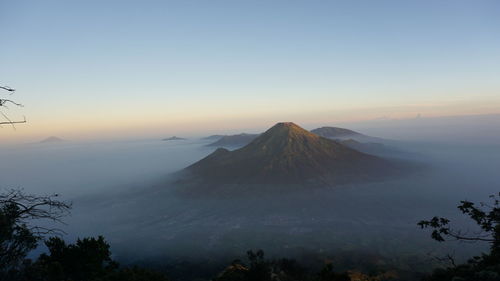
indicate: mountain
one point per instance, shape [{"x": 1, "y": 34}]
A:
[
  {"x": 173, "y": 138},
  {"x": 341, "y": 134},
  {"x": 234, "y": 140},
  {"x": 51, "y": 139},
  {"x": 335, "y": 132},
  {"x": 288, "y": 154},
  {"x": 213, "y": 137}
]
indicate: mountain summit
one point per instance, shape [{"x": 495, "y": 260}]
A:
[{"x": 289, "y": 154}]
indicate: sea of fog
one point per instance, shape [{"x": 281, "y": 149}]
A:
[
  {"x": 73, "y": 169},
  {"x": 123, "y": 190}
]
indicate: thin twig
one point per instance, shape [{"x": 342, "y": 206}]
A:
[{"x": 7, "y": 89}]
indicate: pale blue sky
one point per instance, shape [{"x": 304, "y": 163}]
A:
[{"x": 138, "y": 66}]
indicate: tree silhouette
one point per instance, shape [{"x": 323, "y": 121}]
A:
[
  {"x": 18, "y": 234},
  {"x": 485, "y": 267},
  {"x": 261, "y": 269},
  {"x": 89, "y": 259},
  {"x": 486, "y": 216}
]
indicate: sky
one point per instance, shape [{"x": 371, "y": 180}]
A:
[{"x": 102, "y": 69}]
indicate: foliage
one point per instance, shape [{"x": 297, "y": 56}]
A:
[
  {"x": 89, "y": 259},
  {"x": 135, "y": 274},
  {"x": 260, "y": 269},
  {"x": 485, "y": 267},
  {"x": 327, "y": 274},
  {"x": 18, "y": 236}
]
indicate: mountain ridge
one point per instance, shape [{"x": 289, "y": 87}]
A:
[
  {"x": 234, "y": 140},
  {"x": 289, "y": 154},
  {"x": 334, "y": 132},
  {"x": 173, "y": 138}
]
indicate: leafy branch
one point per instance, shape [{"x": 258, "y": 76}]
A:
[{"x": 486, "y": 216}]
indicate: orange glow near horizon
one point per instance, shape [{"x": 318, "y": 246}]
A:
[{"x": 158, "y": 123}]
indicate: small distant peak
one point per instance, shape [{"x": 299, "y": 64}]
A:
[
  {"x": 51, "y": 139},
  {"x": 173, "y": 138}
]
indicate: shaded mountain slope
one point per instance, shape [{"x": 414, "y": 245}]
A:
[
  {"x": 288, "y": 154},
  {"x": 234, "y": 140},
  {"x": 213, "y": 137}
]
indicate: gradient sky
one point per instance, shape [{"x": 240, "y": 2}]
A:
[{"x": 90, "y": 69}]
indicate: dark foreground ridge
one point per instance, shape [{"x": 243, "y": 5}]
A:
[{"x": 289, "y": 154}]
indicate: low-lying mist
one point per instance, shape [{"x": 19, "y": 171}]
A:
[
  {"x": 74, "y": 169},
  {"x": 126, "y": 192}
]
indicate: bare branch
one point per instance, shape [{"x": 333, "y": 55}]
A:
[
  {"x": 3, "y": 103},
  {"x": 10, "y": 122},
  {"x": 13, "y": 122},
  {"x": 7, "y": 89},
  {"x": 31, "y": 207},
  {"x": 20, "y": 232},
  {"x": 448, "y": 259}
]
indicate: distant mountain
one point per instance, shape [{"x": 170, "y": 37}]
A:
[
  {"x": 335, "y": 132},
  {"x": 173, "y": 138},
  {"x": 234, "y": 140},
  {"x": 213, "y": 137},
  {"x": 288, "y": 154},
  {"x": 340, "y": 134},
  {"x": 51, "y": 139}
]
